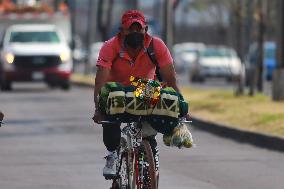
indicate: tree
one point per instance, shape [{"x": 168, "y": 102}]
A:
[
  {"x": 104, "y": 17},
  {"x": 278, "y": 77}
]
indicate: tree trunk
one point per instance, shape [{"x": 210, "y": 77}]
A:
[
  {"x": 260, "y": 47},
  {"x": 72, "y": 7},
  {"x": 91, "y": 32},
  {"x": 104, "y": 17},
  {"x": 168, "y": 24},
  {"x": 239, "y": 36},
  {"x": 278, "y": 76},
  {"x": 55, "y": 5},
  {"x": 251, "y": 75}
]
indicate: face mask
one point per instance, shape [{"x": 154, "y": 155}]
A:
[{"x": 134, "y": 40}]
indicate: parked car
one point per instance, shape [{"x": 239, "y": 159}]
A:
[
  {"x": 94, "y": 53},
  {"x": 216, "y": 61},
  {"x": 269, "y": 60},
  {"x": 185, "y": 54}
]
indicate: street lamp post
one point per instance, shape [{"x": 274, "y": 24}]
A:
[{"x": 278, "y": 75}]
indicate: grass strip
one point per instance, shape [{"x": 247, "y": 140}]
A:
[{"x": 258, "y": 113}]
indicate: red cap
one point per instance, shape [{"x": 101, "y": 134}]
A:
[{"x": 132, "y": 16}]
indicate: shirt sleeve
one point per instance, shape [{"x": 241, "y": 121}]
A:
[
  {"x": 162, "y": 52},
  {"x": 106, "y": 55}
]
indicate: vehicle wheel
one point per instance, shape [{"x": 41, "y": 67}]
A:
[
  {"x": 51, "y": 85},
  {"x": 229, "y": 79},
  {"x": 6, "y": 86},
  {"x": 66, "y": 86},
  {"x": 201, "y": 79},
  {"x": 194, "y": 78}
]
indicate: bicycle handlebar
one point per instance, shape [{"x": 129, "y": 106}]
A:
[
  {"x": 185, "y": 121},
  {"x": 101, "y": 122},
  {"x": 113, "y": 122}
]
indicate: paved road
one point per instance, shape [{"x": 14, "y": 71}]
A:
[{"x": 49, "y": 142}]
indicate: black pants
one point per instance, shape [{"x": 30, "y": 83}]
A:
[{"x": 112, "y": 135}]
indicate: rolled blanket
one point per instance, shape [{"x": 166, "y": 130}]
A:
[
  {"x": 112, "y": 101},
  {"x": 120, "y": 103}
]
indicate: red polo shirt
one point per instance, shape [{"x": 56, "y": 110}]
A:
[{"x": 123, "y": 67}]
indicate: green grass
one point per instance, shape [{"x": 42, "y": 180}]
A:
[
  {"x": 266, "y": 118},
  {"x": 256, "y": 113}
]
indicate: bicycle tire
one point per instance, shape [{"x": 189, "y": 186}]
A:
[
  {"x": 148, "y": 167},
  {"x": 122, "y": 181}
]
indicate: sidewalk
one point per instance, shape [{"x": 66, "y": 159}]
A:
[{"x": 241, "y": 135}]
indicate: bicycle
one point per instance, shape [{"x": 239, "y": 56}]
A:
[
  {"x": 135, "y": 165},
  {"x": 136, "y": 168}
]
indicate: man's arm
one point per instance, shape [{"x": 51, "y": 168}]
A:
[
  {"x": 169, "y": 76},
  {"x": 101, "y": 78}
]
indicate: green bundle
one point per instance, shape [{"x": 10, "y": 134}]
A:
[
  {"x": 165, "y": 116},
  {"x": 112, "y": 101},
  {"x": 119, "y": 103}
]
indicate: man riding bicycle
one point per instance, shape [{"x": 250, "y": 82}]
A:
[{"x": 127, "y": 55}]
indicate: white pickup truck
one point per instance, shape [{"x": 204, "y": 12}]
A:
[{"x": 35, "y": 52}]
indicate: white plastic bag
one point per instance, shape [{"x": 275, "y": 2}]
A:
[{"x": 181, "y": 137}]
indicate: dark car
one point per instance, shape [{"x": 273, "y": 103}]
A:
[{"x": 269, "y": 60}]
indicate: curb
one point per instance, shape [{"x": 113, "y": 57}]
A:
[
  {"x": 243, "y": 136},
  {"x": 257, "y": 139}
]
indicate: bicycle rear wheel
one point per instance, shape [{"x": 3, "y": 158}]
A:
[{"x": 146, "y": 167}]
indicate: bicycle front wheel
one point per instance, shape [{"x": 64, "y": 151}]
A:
[
  {"x": 123, "y": 181},
  {"x": 146, "y": 167}
]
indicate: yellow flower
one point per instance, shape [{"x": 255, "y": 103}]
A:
[
  {"x": 132, "y": 78},
  {"x": 156, "y": 94},
  {"x": 136, "y": 93},
  {"x": 134, "y": 83}
]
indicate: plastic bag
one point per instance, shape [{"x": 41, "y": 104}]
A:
[{"x": 181, "y": 137}]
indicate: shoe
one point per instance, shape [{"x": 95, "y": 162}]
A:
[{"x": 109, "y": 170}]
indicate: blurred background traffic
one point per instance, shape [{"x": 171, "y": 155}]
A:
[
  {"x": 237, "y": 40},
  {"x": 228, "y": 55}
]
